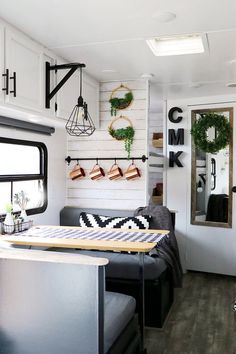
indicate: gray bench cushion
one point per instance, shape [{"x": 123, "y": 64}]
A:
[
  {"x": 125, "y": 266},
  {"x": 119, "y": 310}
]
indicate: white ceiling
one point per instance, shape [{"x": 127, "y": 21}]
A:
[{"x": 110, "y": 35}]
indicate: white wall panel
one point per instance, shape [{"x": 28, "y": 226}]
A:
[
  {"x": 202, "y": 248},
  {"x": 56, "y": 145},
  {"x": 120, "y": 194}
]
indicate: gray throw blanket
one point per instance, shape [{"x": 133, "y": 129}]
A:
[{"x": 168, "y": 248}]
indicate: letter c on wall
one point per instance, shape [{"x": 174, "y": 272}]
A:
[{"x": 171, "y": 113}]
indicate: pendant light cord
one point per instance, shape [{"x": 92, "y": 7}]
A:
[{"x": 80, "y": 81}]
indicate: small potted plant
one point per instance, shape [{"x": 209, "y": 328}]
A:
[
  {"x": 9, "y": 221},
  {"x": 117, "y": 102}
]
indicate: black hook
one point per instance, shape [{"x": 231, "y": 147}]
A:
[
  {"x": 115, "y": 160},
  {"x": 144, "y": 158},
  {"x": 68, "y": 160},
  {"x": 97, "y": 161}
]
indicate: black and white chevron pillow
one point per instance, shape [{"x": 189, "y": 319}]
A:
[{"x": 135, "y": 222}]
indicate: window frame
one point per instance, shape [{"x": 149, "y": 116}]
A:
[{"x": 43, "y": 168}]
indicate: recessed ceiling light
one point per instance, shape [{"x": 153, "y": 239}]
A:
[
  {"x": 177, "y": 45},
  {"x": 195, "y": 85},
  {"x": 164, "y": 16},
  {"x": 147, "y": 76}
]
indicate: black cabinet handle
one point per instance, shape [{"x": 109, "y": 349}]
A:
[
  {"x": 6, "y": 75},
  {"x": 14, "y": 84},
  {"x": 234, "y": 189}
]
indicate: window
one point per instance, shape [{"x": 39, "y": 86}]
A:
[{"x": 23, "y": 167}]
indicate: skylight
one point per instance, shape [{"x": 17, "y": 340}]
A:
[{"x": 177, "y": 45}]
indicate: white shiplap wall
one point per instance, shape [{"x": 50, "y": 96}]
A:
[{"x": 120, "y": 194}]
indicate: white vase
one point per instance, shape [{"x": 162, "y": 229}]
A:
[
  {"x": 23, "y": 215},
  {"x": 24, "y": 218},
  {"x": 9, "y": 224}
]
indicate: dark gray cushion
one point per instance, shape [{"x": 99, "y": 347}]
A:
[
  {"x": 119, "y": 310},
  {"x": 126, "y": 266},
  {"x": 123, "y": 265},
  {"x": 161, "y": 216},
  {"x": 69, "y": 216}
]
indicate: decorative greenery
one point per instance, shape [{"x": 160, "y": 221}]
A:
[
  {"x": 21, "y": 199},
  {"x": 126, "y": 134},
  {"x": 120, "y": 103},
  {"x": 223, "y": 132},
  {"x": 8, "y": 208}
]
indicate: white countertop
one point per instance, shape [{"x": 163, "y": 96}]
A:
[{"x": 7, "y": 252}]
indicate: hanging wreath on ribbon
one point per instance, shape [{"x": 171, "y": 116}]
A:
[
  {"x": 126, "y": 134},
  {"x": 118, "y": 103},
  {"x": 223, "y": 132}
]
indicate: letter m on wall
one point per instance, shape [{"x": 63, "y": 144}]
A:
[{"x": 176, "y": 138}]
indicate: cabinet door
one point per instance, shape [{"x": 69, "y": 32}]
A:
[
  {"x": 24, "y": 57},
  {"x": 91, "y": 96},
  {"x": 2, "y": 69},
  {"x": 68, "y": 94}
]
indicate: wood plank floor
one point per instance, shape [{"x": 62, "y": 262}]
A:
[{"x": 201, "y": 320}]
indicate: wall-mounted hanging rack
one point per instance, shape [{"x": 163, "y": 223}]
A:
[
  {"x": 72, "y": 66},
  {"x": 79, "y": 122},
  {"x": 69, "y": 159}
]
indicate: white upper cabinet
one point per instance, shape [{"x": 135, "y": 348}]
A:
[
  {"x": 23, "y": 58},
  {"x": 23, "y": 70},
  {"x": 4, "y": 81}
]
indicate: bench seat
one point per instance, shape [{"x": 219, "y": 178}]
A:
[
  {"x": 119, "y": 311},
  {"x": 123, "y": 265},
  {"x": 122, "y": 272}
]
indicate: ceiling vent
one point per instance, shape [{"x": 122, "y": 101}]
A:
[{"x": 176, "y": 45}]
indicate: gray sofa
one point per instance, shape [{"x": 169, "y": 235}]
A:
[{"x": 122, "y": 272}]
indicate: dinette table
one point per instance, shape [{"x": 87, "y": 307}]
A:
[{"x": 103, "y": 239}]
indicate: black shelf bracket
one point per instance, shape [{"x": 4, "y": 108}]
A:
[
  {"x": 69, "y": 159},
  {"x": 49, "y": 95}
]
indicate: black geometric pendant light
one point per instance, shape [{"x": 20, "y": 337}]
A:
[{"x": 80, "y": 122}]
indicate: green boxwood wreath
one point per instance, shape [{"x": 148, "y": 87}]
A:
[{"x": 223, "y": 132}]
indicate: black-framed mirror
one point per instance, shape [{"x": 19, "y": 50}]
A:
[{"x": 212, "y": 177}]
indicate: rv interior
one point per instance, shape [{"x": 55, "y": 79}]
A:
[{"x": 117, "y": 177}]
